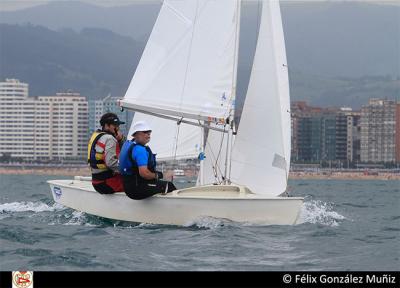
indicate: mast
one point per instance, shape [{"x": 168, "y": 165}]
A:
[{"x": 229, "y": 142}]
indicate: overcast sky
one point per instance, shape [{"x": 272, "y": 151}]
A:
[{"x": 10, "y": 5}]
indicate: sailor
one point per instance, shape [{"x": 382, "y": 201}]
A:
[
  {"x": 103, "y": 152},
  {"x": 138, "y": 166}
]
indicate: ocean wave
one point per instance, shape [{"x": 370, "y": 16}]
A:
[
  {"x": 319, "y": 212},
  {"x": 75, "y": 218},
  {"x": 29, "y": 206},
  {"x": 207, "y": 222}
]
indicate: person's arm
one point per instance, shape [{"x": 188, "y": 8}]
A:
[
  {"x": 146, "y": 173},
  {"x": 110, "y": 151},
  {"x": 141, "y": 157}
]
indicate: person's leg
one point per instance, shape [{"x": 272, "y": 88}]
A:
[
  {"x": 171, "y": 187},
  {"x": 115, "y": 183},
  {"x": 102, "y": 188},
  {"x": 141, "y": 189}
]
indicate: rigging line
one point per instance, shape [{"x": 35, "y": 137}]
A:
[
  {"x": 178, "y": 123},
  {"x": 216, "y": 165}
]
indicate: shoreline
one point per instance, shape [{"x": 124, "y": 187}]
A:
[{"x": 84, "y": 171}]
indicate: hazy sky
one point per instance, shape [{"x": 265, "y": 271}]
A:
[{"x": 10, "y": 5}]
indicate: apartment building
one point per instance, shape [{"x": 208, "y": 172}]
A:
[
  {"x": 398, "y": 133},
  {"x": 65, "y": 136},
  {"x": 378, "y": 126},
  {"x": 108, "y": 104},
  {"x": 41, "y": 128}
]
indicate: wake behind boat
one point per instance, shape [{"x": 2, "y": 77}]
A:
[{"x": 185, "y": 87}]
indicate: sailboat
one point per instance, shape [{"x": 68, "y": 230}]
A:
[{"x": 185, "y": 87}]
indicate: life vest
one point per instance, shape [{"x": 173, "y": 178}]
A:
[
  {"x": 151, "y": 164},
  {"x": 96, "y": 159}
]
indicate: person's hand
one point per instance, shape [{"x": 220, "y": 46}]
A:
[
  {"x": 119, "y": 136},
  {"x": 159, "y": 175}
]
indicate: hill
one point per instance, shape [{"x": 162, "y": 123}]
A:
[
  {"x": 339, "y": 53},
  {"x": 94, "y": 62},
  {"x": 334, "y": 38}
]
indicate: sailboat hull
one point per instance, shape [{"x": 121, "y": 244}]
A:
[{"x": 181, "y": 207}]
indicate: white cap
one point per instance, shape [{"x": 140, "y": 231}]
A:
[{"x": 140, "y": 126}]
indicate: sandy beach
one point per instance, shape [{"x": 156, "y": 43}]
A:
[{"x": 84, "y": 171}]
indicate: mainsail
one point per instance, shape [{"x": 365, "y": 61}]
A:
[
  {"x": 186, "y": 67},
  {"x": 171, "y": 141}
]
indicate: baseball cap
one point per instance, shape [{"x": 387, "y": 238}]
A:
[{"x": 110, "y": 118}]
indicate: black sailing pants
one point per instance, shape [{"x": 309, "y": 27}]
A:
[{"x": 138, "y": 188}]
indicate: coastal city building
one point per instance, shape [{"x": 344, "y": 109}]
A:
[
  {"x": 353, "y": 136},
  {"x": 398, "y": 133},
  {"x": 325, "y": 134},
  {"x": 57, "y": 128},
  {"x": 41, "y": 128},
  {"x": 67, "y": 130},
  {"x": 306, "y": 132},
  {"x": 378, "y": 126},
  {"x": 109, "y": 104}
]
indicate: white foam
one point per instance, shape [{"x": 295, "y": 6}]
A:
[
  {"x": 206, "y": 222},
  {"x": 79, "y": 218},
  {"x": 29, "y": 206},
  {"x": 319, "y": 212}
]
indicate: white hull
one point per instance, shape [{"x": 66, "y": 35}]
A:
[{"x": 180, "y": 207}]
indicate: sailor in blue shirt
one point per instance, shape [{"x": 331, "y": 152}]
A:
[{"x": 137, "y": 165}]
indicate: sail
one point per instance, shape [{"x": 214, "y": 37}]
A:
[
  {"x": 169, "y": 140},
  {"x": 186, "y": 67},
  {"x": 260, "y": 155}
]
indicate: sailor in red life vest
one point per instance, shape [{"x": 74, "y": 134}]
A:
[{"x": 103, "y": 152}]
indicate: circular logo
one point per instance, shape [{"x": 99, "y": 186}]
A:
[
  {"x": 22, "y": 279},
  {"x": 287, "y": 278}
]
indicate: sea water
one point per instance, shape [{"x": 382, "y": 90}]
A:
[{"x": 344, "y": 225}]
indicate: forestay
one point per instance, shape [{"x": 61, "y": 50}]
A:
[
  {"x": 261, "y": 152},
  {"x": 186, "y": 67}
]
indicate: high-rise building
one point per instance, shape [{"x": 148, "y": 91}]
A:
[
  {"x": 353, "y": 136},
  {"x": 328, "y": 134},
  {"x": 42, "y": 128},
  {"x": 68, "y": 127},
  {"x": 109, "y": 104},
  {"x": 306, "y": 132},
  {"x": 378, "y": 126},
  {"x": 398, "y": 132},
  {"x": 17, "y": 137}
]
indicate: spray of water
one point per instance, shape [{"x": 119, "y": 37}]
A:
[
  {"x": 207, "y": 222},
  {"x": 319, "y": 212},
  {"x": 29, "y": 206}
]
